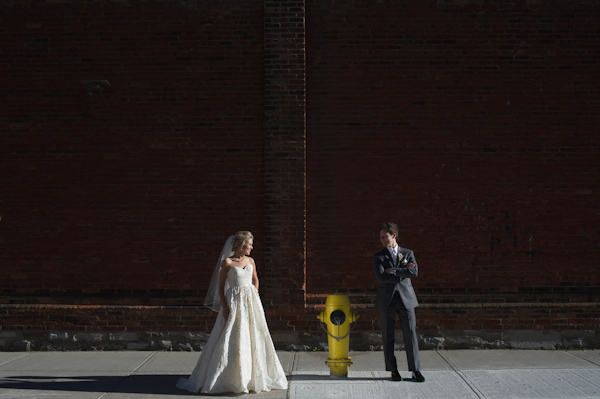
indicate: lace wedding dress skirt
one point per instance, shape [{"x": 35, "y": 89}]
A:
[{"x": 239, "y": 355}]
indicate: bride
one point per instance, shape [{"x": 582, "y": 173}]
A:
[{"x": 239, "y": 355}]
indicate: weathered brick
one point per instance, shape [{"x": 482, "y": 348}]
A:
[{"x": 472, "y": 125}]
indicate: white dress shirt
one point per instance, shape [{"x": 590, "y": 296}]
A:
[{"x": 394, "y": 252}]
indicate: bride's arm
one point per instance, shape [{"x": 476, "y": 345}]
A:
[
  {"x": 254, "y": 275},
  {"x": 222, "y": 279}
]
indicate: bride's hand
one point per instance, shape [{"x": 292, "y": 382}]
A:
[{"x": 226, "y": 313}]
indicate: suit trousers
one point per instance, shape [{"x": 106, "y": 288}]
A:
[{"x": 408, "y": 322}]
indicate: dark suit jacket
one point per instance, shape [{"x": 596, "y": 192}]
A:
[{"x": 388, "y": 282}]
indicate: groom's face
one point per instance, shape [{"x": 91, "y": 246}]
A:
[{"x": 387, "y": 239}]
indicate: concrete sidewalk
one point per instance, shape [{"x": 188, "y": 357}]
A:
[{"x": 449, "y": 374}]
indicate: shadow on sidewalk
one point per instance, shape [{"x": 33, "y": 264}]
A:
[
  {"x": 140, "y": 384},
  {"x": 320, "y": 377}
]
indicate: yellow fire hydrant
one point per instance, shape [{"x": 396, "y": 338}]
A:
[{"x": 338, "y": 317}]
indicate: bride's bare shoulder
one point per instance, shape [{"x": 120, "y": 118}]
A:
[{"x": 227, "y": 263}]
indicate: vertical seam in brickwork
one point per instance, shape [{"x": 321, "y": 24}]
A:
[{"x": 285, "y": 154}]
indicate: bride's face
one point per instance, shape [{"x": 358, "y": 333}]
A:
[{"x": 247, "y": 248}]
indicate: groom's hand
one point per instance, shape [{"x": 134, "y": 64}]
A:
[
  {"x": 389, "y": 271},
  {"x": 410, "y": 264}
]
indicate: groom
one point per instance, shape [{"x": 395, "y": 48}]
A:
[{"x": 394, "y": 267}]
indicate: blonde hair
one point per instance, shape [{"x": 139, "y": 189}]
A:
[{"x": 241, "y": 238}]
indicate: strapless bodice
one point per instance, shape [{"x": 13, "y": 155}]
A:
[{"x": 238, "y": 277}]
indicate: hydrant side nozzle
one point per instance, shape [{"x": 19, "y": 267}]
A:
[{"x": 321, "y": 316}]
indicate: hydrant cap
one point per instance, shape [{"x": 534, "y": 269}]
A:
[{"x": 337, "y": 299}]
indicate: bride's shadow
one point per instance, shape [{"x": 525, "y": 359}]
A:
[
  {"x": 145, "y": 384},
  {"x": 127, "y": 384}
]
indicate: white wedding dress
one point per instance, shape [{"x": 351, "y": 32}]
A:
[{"x": 239, "y": 355}]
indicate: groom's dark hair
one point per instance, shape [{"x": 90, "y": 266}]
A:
[{"x": 390, "y": 227}]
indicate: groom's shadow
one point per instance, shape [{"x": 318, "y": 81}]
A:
[{"x": 320, "y": 377}]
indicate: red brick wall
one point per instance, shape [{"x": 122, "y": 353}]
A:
[
  {"x": 471, "y": 125},
  {"x": 128, "y": 193},
  {"x": 285, "y": 157}
]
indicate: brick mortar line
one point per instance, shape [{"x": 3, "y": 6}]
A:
[
  {"x": 316, "y": 306},
  {"x": 482, "y": 305}
]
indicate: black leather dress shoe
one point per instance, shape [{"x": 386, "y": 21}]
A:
[
  {"x": 396, "y": 376},
  {"x": 417, "y": 376}
]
